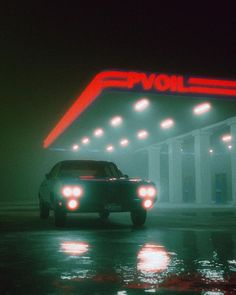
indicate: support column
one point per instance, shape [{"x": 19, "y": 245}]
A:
[
  {"x": 175, "y": 171},
  {"x": 203, "y": 182},
  {"x": 232, "y": 124},
  {"x": 154, "y": 167}
]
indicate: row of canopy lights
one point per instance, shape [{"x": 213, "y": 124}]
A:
[
  {"x": 140, "y": 106},
  {"x": 227, "y": 139}
]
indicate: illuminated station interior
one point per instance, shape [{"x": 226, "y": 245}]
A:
[{"x": 177, "y": 131}]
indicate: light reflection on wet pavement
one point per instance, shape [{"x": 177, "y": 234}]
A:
[{"x": 117, "y": 259}]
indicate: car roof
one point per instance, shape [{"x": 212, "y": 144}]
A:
[{"x": 85, "y": 161}]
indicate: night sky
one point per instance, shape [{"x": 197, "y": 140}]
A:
[{"x": 50, "y": 50}]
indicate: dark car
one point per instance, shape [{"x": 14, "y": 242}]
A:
[{"x": 94, "y": 186}]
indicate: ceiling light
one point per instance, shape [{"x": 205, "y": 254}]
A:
[
  {"x": 116, "y": 121},
  {"x": 202, "y": 108},
  {"x": 85, "y": 140},
  {"x": 98, "y": 132},
  {"x": 141, "y": 105},
  {"x": 142, "y": 134},
  {"x": 166, "y": 124}
]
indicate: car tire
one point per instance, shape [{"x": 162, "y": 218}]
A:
[
  {"x": 59, "y": 217},
  {"x": 103, "y": 215},
  {"x": 44, "y": 210},
  {"x": 138, "y": 216}
]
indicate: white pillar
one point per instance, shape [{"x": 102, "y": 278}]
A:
[
  {"x": 175, "y": 171},
  {"x": 154, "y": 167},
  {"x": 232, "y": 124},
  {"x": 203, "y": 183}
]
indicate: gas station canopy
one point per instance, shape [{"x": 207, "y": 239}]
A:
[{"x": 136, "y": 109}]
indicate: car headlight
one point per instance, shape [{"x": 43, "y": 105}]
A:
[
  {"x": 72, "y": 191},
  {"x": 147, "y": 191}
]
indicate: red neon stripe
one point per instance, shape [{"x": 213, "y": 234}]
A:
[
  {"x": 82, "y": 102},
  {"x": 210, "y": 82},
  {"x": 100, "y": 82},
  {"x": 206, "y": 90}
]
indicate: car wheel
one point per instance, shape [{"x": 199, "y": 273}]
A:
[
  {"x": 104, "y": 214},
  {"x": 138, "y": 216},
  {"x": 44, "y": 210},
  {"x": 59, "y": 217}
]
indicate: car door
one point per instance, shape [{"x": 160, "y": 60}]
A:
[{"x": 48, "y": 184}]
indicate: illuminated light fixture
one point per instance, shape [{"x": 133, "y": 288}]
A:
[
  {"x": 98, "y": 132},
  {"x": 141, "y": 105},
  {"x": 66, "y": 191},
  {"x": 142, "y": 134},
  {"x": 202, "y": 108},
  {"x": 166, "y": 124},
  {"x": 230, "y": 147},
  {"x": 110, "y": 148},
  {"x": 73, "y": 204},
  {"x": 142, "y": 191},
  {"x": 85, "y": 140},
  {"x": 211, "y": 151},
  {"x": 116, "y": 121},
  {"x": 75, "y": 147},
  {"x": 226, "y": 138},
  {"x": 151, "y": 191},
  {"x": 77, "y": 191},
  {"x": 72, "y": 191},
  {"x": 124, "y": 142},
  {"x": 147, "y": 204},
  {"x": 147, "y": 191}
]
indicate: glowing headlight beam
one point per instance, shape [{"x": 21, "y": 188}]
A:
[
  {"x": 72, "y": 204},
  {"x": 72, "y": 191}
]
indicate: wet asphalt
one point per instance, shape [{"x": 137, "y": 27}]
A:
[{"x": 89, "y": 256}]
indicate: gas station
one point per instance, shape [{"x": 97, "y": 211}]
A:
[{"x": 178, "y": 131}]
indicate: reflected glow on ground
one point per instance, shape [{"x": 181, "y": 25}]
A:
[
  {"x": 153, "y": 258},
  {"x": 149, "y": 267},
  {"x": 74, "y": 248}
]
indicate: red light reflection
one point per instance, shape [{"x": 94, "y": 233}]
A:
[
  {"x": 153, "y": 258},
  {"x": 74, "y": 248}
]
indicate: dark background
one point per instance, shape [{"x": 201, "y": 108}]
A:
[{"x": 50, "y": 50}]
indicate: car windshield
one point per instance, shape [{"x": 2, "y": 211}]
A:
[{"x": 89, "y": 170}]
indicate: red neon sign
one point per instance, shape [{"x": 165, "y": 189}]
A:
[{"x": 172, "y": 84}]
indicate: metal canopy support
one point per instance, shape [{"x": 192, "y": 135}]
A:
[
  {"x": 154, "y": 167},
  {"x": 203, "y": 181},
  {"x": 175, "y": 171},
  {"x": 232, "y": 124}
]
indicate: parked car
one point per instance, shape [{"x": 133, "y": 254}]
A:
[{"x": 82, "y": 186}]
